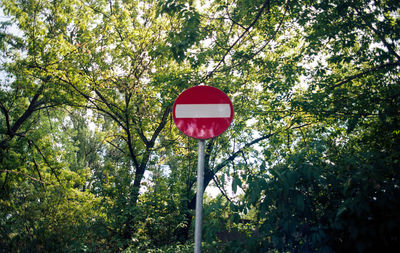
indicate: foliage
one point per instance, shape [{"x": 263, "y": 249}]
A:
[{"x": 90, "y": 159}]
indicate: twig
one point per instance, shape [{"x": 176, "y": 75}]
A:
[
  {"x": 20, "y": 173},
  {"x": 391, "y": 64},
  {"x": 266, "y": 3},
  {"x": 221, "y": 190}
]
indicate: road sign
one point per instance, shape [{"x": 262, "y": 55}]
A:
[{"x": 202, "y": 112}]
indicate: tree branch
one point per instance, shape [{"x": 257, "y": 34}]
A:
[
  {"x": 377, "y": 33},
  {"x": 90, "y": 100},
  {"x": 7, "y": 116},
  {"x": 45, "y": 160},
  {"x": 28, "y": 112},
  {"x": 209, "y": 174},
  {"x": 257, "y": 17},
  {"x": 146, "y": 156},
  {"x": 221, "y": 190},
  {"x": 161, "y": 126},
  {"x": 20, "y": 173},
  {"x": 116, "y": 147},
  {"x": 392, "y": 64},
  {"x": 12, "y": 130},
  {"x": 109, "y": 105}
]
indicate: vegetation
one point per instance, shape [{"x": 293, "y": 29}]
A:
[{"x": 90, "y": 160}]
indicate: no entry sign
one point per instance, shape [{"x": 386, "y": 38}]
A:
[{"x": 203, "y": 112}]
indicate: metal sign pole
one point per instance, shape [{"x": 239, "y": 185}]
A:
[{"x": 199, "y": 197}]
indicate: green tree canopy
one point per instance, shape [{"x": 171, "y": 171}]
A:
[{"x": 90, "y": 158}]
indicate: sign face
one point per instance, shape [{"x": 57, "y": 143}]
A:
[{"x": 202, "y": 112}]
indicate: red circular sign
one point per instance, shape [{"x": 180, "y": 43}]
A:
[{"x": 202, "y": 112}]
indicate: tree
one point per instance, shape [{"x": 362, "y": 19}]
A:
[
  {"x": 116, "y": 59},
  {"x": 324, "y": 195},
  {"x": 312, "y": 151}
]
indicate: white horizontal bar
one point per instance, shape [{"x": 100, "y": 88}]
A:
[{"x": 202, "y": 111}]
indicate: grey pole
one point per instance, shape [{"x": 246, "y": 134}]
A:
[{"x": 199, "y": 197}]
